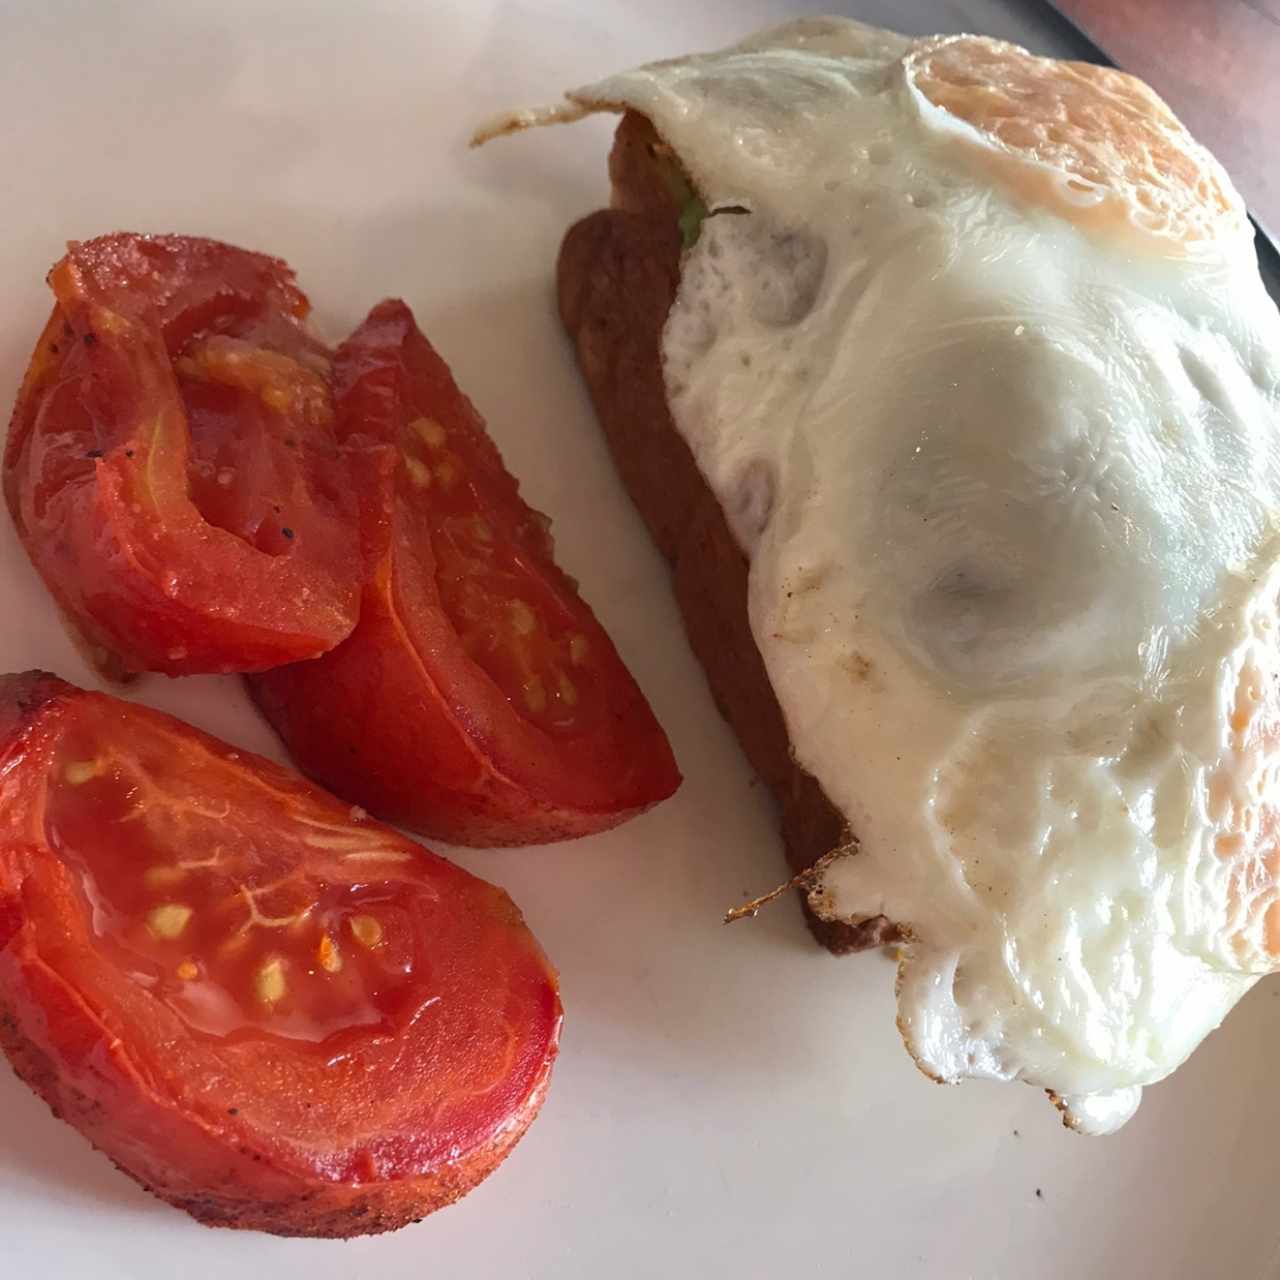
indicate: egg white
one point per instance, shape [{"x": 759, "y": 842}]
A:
[{"x": 994, "y": 411}]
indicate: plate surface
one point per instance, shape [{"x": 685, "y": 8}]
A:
[{"x": 729, "y": 1101}]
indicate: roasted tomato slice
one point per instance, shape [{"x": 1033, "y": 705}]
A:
[
  {"x": 171, "y": 464},
  {"x": 478, "y": 700},
  {"x": 269, "y": 1009}
]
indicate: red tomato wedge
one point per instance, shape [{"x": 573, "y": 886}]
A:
[
  {"x": 171, "y": 464},
  {"x": 269, "y": 1009},
  {"x": 478, "y": 699}
]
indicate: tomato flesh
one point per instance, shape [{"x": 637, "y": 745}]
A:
[
  {"x": 515, "y": 619},
  {"x": 232, "y": 938},
  {"x": 267, "y": 1008},
  {"x": 478, "y": 699},
  {"x": 251, "y": 411},
  {"x": 171, "y": 465}
]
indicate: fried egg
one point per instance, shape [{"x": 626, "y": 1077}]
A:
[{"x": 973, "y": 349}]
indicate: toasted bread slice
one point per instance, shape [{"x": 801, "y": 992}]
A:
[{"x": 618, "y": 272}]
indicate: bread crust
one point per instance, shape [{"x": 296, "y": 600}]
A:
[{"x": 617, "y": 276}]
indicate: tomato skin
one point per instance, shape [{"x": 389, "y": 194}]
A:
[
  {"x": 399, "y": 717},
  {"x": 100, "y": 459},
  {"x": 252, "y": 1133}
]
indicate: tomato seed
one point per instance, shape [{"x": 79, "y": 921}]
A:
[
  {"x": 429, "y": 431},
  {"x": 568, "y": 691},
  {"x": 366, "y": 930},
  {"x": 270, "y": 983},
  {"x": 418, "y": 470},
  {"x": 168, "y": 921},
  {"x": 329, "y": 956},
  {"x": 522, "y": 618},
  {"x": 159, "y": 877},
  {"x": 535, "y": 694},
  {"x": 81, "y": 771}
]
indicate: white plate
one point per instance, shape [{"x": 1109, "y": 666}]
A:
[{"x": 729, "y": 1102}]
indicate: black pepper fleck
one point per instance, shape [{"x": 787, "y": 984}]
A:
[
  {"x": 1039, "y": 1194},
  {"x": 94, "y": 453},
  {"x": 288, "y": 533},
  {"x": 128, "y": 453},
  {"x": 233, "y": 1111},
  {"x": 89, "y": 339}
]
